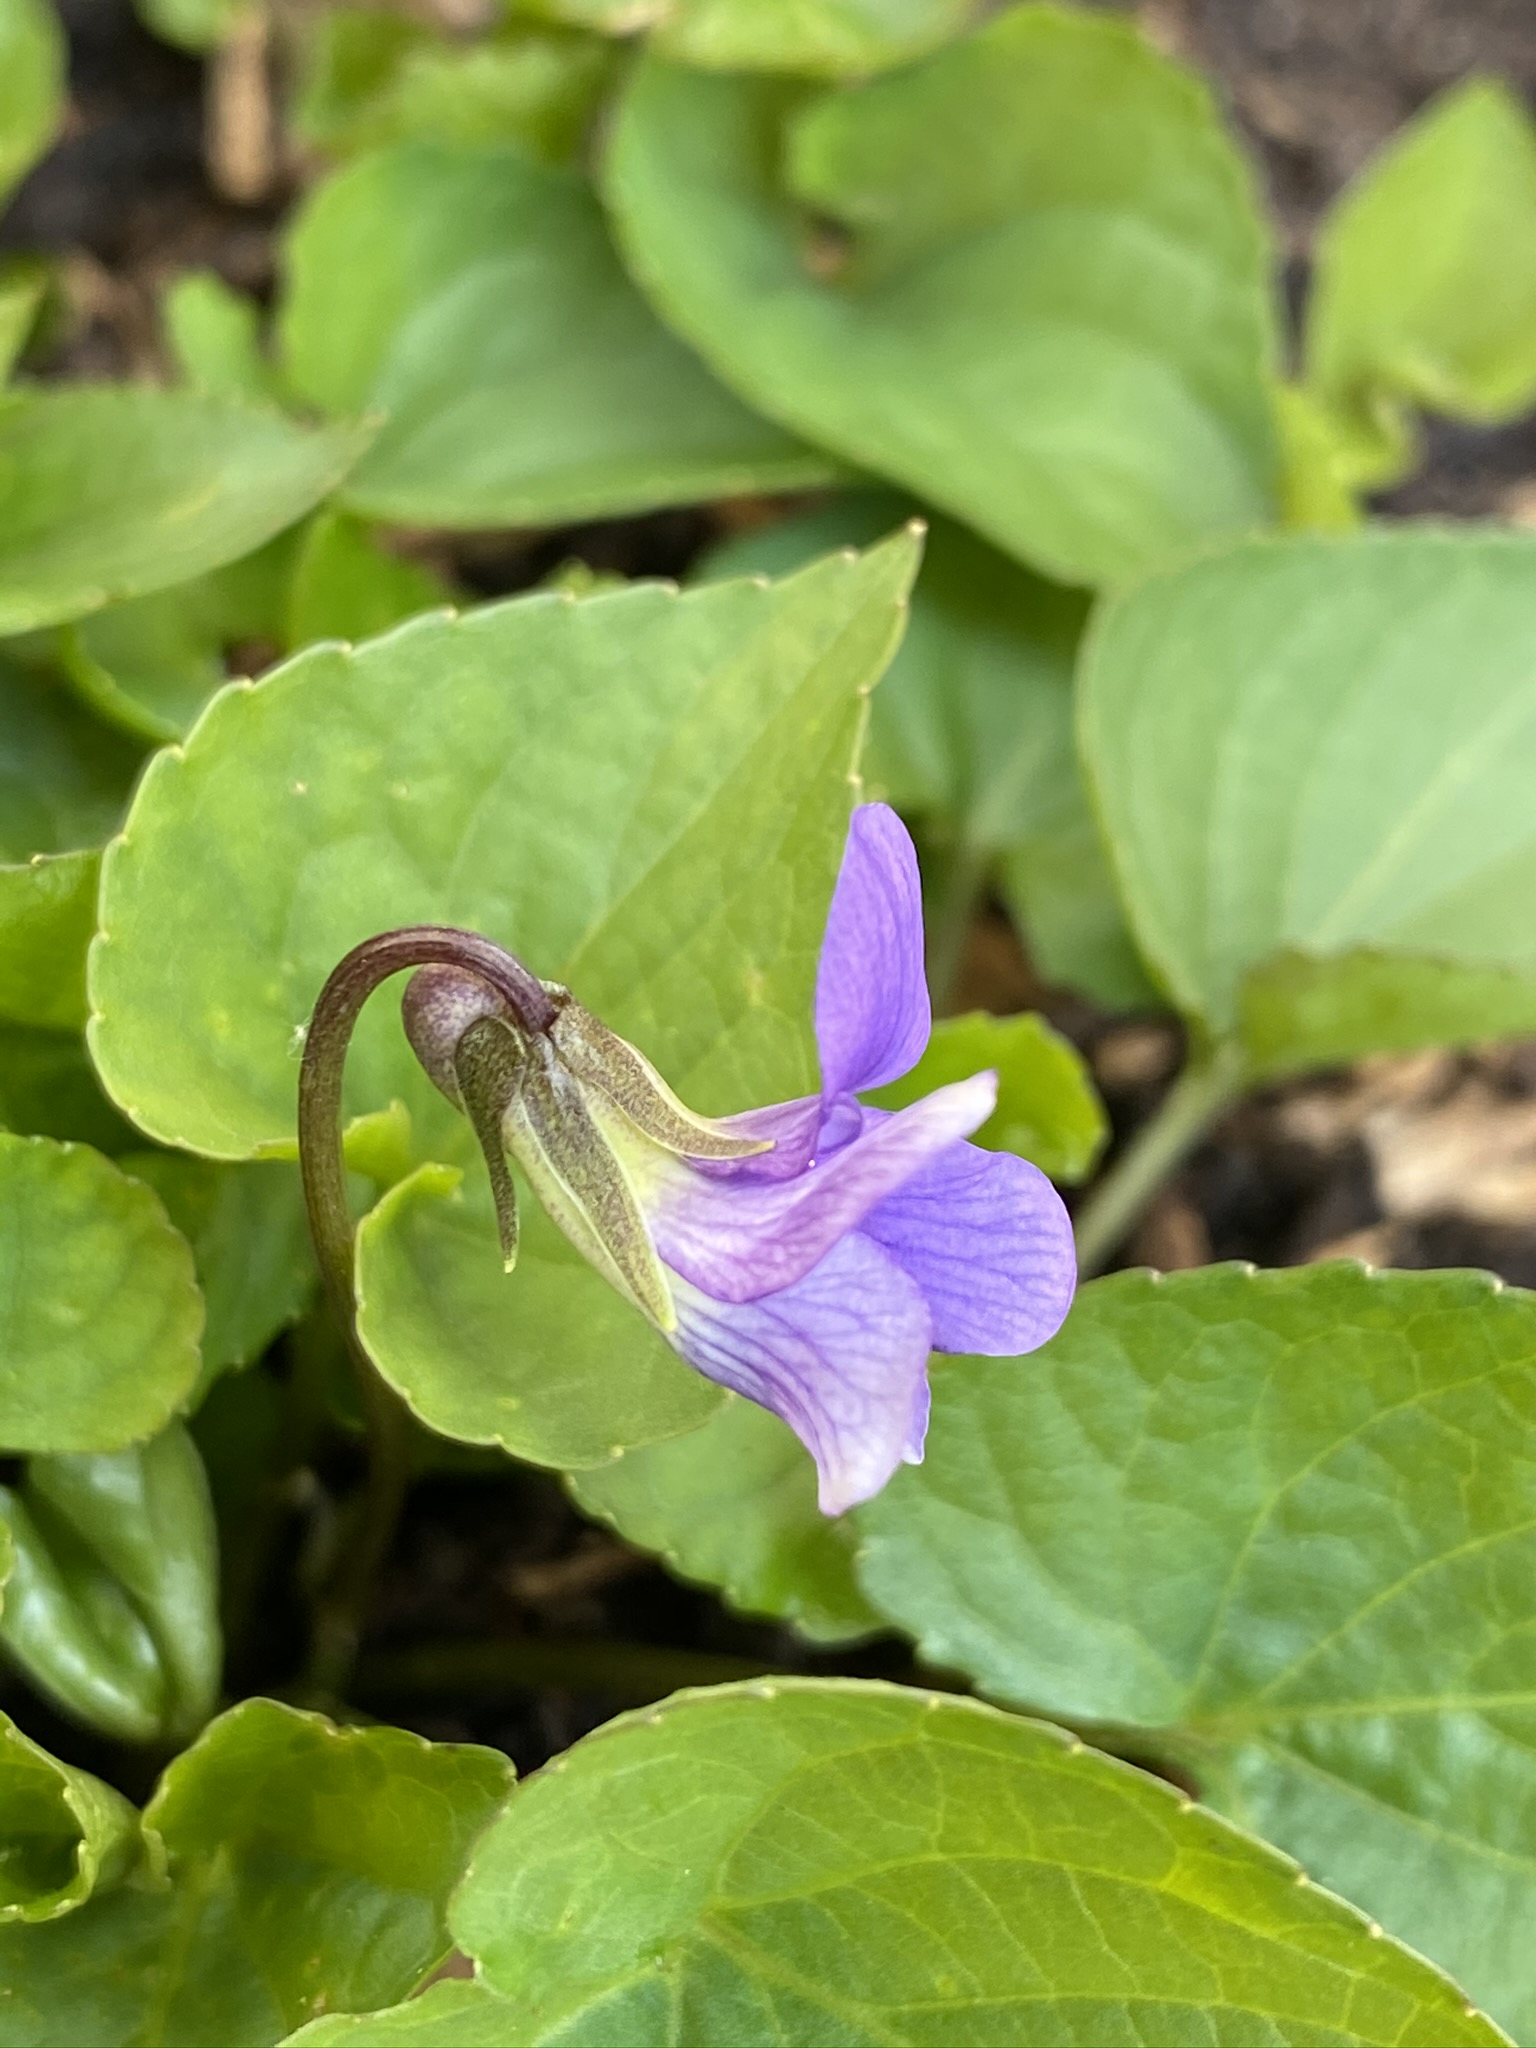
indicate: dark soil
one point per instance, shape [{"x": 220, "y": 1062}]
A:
[{"x": 504, "y": 1616}]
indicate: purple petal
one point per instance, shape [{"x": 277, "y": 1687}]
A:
[
  {"x": 872, "y": 1011},
  {"x": 738, "y": 1240},
  {"x": 841, "y": 1357},
  {"x": 985, "y": 1236}
]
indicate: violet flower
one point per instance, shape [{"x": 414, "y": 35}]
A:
[{"x": 809, "y": 1255}]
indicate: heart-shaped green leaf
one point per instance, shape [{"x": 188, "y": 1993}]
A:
[
  {"x": 308, "y": 1866},
  {"x": 816, "y": 38},
  {"x": 801, "y": 1861},
  {"x": 99, "y": 1311},
  {"x": 31, "y": 85},
  {"x": 65, "y": 1832},
  {"x": 1042, "y": 302},
  {"x": 971, "y": 732},
  {"x": 1048, "y": 1109},
  {"x": 1424, "y": 282},
  {"x": 250, "y": 1241},
  {"x": 1325, "y": 747},
  {"x": 473, "y": 296},
  {"x": 1280, "y": 1525},
  {"x": 644, "y": 794},
  {"x": 733, "y": 1505},
  {"x": 115, "y": 491},
  {"x": 112, "y": 1608}
]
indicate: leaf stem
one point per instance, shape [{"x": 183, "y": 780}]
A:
[
  {"x": 342, "y": 1611},
  {"x": 1210, "y": 1081}
]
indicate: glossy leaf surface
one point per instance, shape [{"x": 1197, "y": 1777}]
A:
[
  {"x": 1279, "y": 1525},
  {"x": 308, "y": 1870},
  {"x": 645, "y": 795},
  {"x": 112, "y": 1607},
  {"x": 116, "y": 491},
  {"x": 1424, "y": 291},
  {"x": 1040, "y": 302},
  {"x": 64, "y": 1832},
  {"x": 99, "y": 1311},
  {"x": 811, "y": 1860},
  {"x": 525, "y": 380},
  {"x": 1321, "y": 746}
]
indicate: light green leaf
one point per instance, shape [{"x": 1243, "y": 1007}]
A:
[
  {"x": 1277, "y": 1524},
  {"x": 99, "y": 1311},
  {"x": 1305, "y": 1009},
  {"x": 733, "y": 1505},
  {"x": 47, "y": 915},
  {"x": 308, "y": 1866},
  {"x": 473, "y": 297},
  {"x": 66, "y": 1834},
  {"x": 370, "y": 79},
  {"x": 250, "y": 1240},
  {"x": 971, "y": 731},
  {"x": 1048, "y": 1109},
  {"x": 22, "y": 284},
  {"x": 817, "y": 38},
  {"x": 197, "y": 26},
  {"x": 1044, "y": 306},
  {"x": 31, "y": 85},
  {"x": 804, "y": 1861},
  {"x": 112, "y": 1609},
  {"x": 48, "y": 1090},
  {"x": 150, "y": 665},
  {"x": 1424, "y": 282},
  {"x": 115, "y": 491},
  {"x": 214, "y": 334},
  {"x": 452, "y": 2014},
  {"x": 645, "y": 795},
  {"x": 347, "y": 587},
  {"x": 1322, "y": 746}
]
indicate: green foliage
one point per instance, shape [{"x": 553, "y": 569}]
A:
[
  {"x": 808, "y": 1861},
  {"x": 702, "y": 820},
  {"x": 1277, "y": 1527},
  {"x": 1322, "y": 747},
  {"x": 1048, "y": 1109},
  {"x": 47, "y": 1090},
  {"x": 214, "y": 333},
  {"x": 1425, "y": 287},
  {"x": 31, "y": 85},
  {"x": 473, "y": 297},
  {"x": 64, "y": 1831},
  {"x": 346, "y": 587},
  {"x": 1041, "y": 301},
  {"x": 111, "y": 1608},
  {"x": 99, "y": 1312},
  {"x": 816, "y": 38},
  {"x": 294, "y": 1868},
  {"x": 733, "y": 1505},
  {"x": 113, "y": 492}
]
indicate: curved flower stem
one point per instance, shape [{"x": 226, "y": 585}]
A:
[
  {"x": 343, "y": 1609},
  {"x": 1208, "y": 1083}
]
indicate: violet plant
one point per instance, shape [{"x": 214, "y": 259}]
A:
[{"x": 1146, "y": 1658}]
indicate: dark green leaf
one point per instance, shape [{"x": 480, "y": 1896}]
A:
[
  {"x": 112, "y": 1608},
  {"x": 308, "y": 1869},
  {"x": 99, "y": 1311},
  {"x": 1042, "y": 302},
  {"x": 49, "y": 1090},
  {"x": 473, "y": 296},
  {"x": 1277, "y": 1526}
]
